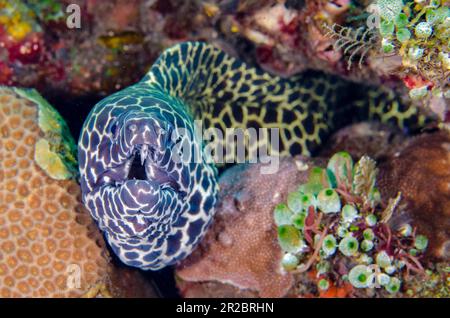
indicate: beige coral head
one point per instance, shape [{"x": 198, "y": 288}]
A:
[{"x": 49, "y": 246}]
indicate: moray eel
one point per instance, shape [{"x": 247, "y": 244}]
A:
[{"x": 154, "y": 209}]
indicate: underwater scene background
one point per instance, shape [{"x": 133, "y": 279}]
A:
[{"x": 94, "y": 204}]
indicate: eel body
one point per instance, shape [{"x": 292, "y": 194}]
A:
[{"x": 154, "y": 208}]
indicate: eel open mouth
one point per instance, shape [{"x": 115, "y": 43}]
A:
[
  {"x": 142, "y": 165},
  {"x": 137, "y": 169},
  {"x": 143, "y": 156}
]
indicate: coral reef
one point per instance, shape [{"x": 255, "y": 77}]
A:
[
  {"x": 114, "y": 46},
  {"x": 47, "y": 237},
  {"x": 403, "y": 224},
  {"x": 22, "y": 47},
  {"x": 50, "y": 246},
  {"x": 119, "y": 40},
  {"x": 332, "y": 225}
]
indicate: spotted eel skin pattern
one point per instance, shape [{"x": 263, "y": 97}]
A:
[{"x": 154, "y": 221}]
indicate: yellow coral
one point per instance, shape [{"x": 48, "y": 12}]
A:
[
  {"x": 16, "y": 18},
  {"x": 20, "y": 30},
  {"x": 50, "y": 161},
  {"x": 55, "y": 153}
]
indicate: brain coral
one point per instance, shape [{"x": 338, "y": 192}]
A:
[{"x": 49, "y": 247}]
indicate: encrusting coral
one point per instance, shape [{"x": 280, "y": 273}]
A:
[
  {"x": 241, "y": 247},
  {"x": 49, "y": 245},
  {"x": 17, "y": 19},
  {"x": 420, "y": 170}
]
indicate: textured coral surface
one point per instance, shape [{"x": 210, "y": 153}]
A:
[
  {"x": 242, "y": 249},
  {"x": 118, "y": 40},
  {"x": 421, "y": 172},
  {"x": 372, "y": 139},
  {"x": 46, "y": 236}
]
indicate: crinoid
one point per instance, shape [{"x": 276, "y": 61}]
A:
[{"x": 352, "y": 41}]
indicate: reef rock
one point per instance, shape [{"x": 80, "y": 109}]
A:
[
  {"x": 241, "y": 248},
  {"x": 417, "y": 167},
  {"x": 49, "y": 245},
  {"x": 112, "y": 47},
  {"x": 420, "y": 170},
  {"x": 373, "y": 139},
  {"x": 240, "y": 255}
]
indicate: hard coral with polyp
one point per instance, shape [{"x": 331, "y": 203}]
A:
[{"x": 49, "y": 244}]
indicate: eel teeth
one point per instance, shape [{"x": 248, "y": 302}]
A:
[{"x": 144, "y": 153}]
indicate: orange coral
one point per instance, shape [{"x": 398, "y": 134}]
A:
[{"x": 48, "y": 244}]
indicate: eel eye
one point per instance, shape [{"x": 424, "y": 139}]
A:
[{"x": 167, "y": 133}]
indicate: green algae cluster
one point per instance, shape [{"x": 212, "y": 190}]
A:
[
  {"x": 336, "y": 220},
  {"x": 55, "y": 152},
  {"x": 419, "y": 31}
]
